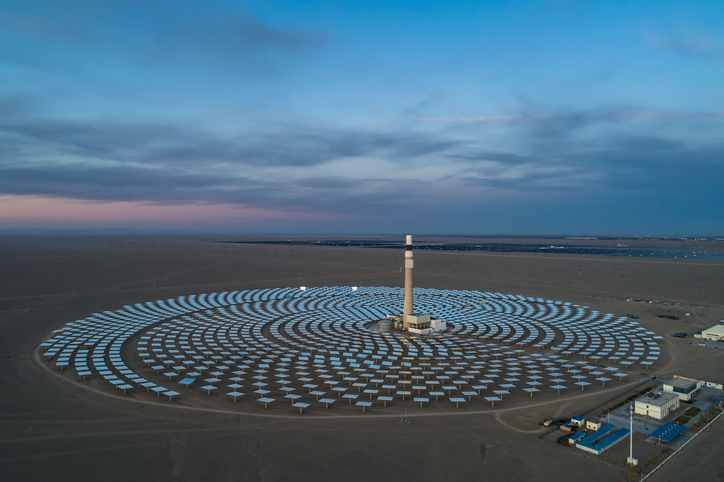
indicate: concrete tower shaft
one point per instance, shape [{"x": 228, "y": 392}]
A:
[{"x": 408, "y": 281}]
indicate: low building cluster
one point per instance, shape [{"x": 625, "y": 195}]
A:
[{"x": 418, "y": 323}]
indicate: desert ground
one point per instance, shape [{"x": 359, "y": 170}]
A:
[{"x": 51, "y": 428}]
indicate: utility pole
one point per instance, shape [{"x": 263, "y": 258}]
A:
[{"x": 631, "y": 461}]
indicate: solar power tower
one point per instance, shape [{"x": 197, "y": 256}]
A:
[{"x": 408, "y": 282}]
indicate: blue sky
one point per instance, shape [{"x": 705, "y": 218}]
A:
[{"x": 541, "y": 117}]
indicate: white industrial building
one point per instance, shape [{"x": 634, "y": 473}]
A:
[
  {"x": 418, "y": 323},
  {"x": 684, "y": 388},
  {"x": 715, "y": 333},
  {"x": 424, "y": 323},
  {"x": 656, "y": 404},
  {"x": 578, "y": 421},
  {"x": 593, "y": 425}
]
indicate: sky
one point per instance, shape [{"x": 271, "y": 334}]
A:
[{"x": 363, "y": 117}]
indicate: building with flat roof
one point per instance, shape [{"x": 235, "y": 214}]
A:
[
  {"x": 419, "y": 323},
  {"x": 715, "y": 333},
  {"x": 656, "y": 404},
  {"x": 593, "y": 425},
  {"x": 424, "y": 323},
  {"x": 578, "y": 421},
  {"x": 684, "y": 388}
]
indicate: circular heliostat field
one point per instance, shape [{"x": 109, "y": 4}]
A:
[{"x": 319, "y": 349}]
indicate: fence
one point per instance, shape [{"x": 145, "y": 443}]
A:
[{"x": 682, "y": 446}]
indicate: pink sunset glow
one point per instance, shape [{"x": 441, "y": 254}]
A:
[{"x": 30, "y": 211}]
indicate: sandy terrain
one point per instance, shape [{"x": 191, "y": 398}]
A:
[{"x": 53, "y": 429}]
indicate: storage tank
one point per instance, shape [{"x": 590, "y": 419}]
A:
[{"x": 385, "y": 326}]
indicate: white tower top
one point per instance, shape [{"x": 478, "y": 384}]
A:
[{"x": 409, "y": 239}]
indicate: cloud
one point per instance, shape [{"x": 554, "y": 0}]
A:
[
  {"x": 153, "y": 144},
  {"x": 337, "y": 171},
  {"x": 577, "y": 117},
  {"x": 688, "y": 44},
  {"x": 485, "y": 155},
  {"x": 167, "y": 163},
  {"x": 150, "y": 34}
]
